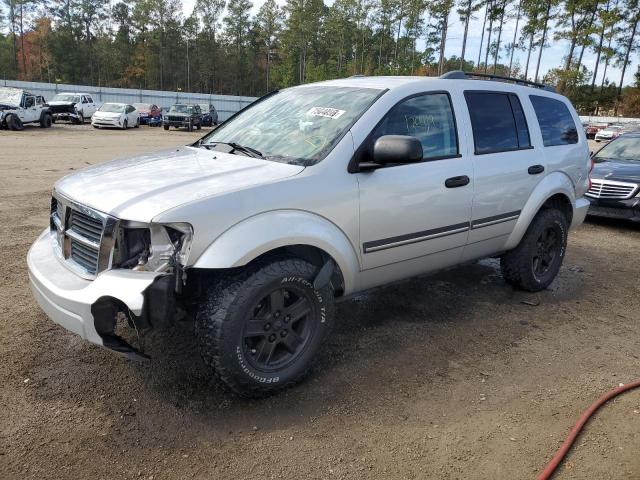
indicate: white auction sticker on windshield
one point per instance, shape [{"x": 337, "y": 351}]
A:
[{"x": 325, "y": 112}]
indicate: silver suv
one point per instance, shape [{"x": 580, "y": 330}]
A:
[{"x": 308, "y": 196}]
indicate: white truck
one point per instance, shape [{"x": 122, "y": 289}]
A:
[
  {"x": 306, "y": 197},
  {"x": 74, "y": 107},
  {"x": 19, "y": 107}
]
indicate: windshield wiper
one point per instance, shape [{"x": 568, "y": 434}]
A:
[{"x": 251, "y": 152}]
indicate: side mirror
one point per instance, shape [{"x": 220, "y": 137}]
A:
[{"x": 397, "y": 149}]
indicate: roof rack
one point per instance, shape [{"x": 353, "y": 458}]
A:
[{"x": 460, "y": 75}]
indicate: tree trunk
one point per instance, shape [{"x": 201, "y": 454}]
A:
[
  {"x": 526, "y": 70},
  {"x": 626, "y": 62},
  {"x": 484, "y": 23},
  {"x": 486, "y": 56},
  {"x": 464, "y": 35},
  {"x": 515, "y": 37},
  {"x": 544, "y": 38},
  {"x": 23, "y": 54},
  {"x": 497, "y": 54},
  {"x": 598, "y": 52},
  {"x": 584, "y": 44}
]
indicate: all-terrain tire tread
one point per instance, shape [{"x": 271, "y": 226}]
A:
[
  {"x": 515, "y": 265},
  {"x": 213, "y": 312}
]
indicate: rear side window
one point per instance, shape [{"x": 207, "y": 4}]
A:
[
  {"x": 427, "y": 117},
  {"x": 498, "y": 122},
  {"x": 556, "y": 123}
]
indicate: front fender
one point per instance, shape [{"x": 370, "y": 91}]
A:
[
  {"x": 267, "y": 231},
  {"x": 552, "y": 184}
]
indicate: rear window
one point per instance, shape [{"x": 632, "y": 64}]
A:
[
  {"x": 556, "y": 123},
  {"x": 497, "y": 121}
]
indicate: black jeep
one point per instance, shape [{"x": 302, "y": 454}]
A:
[{"x": 185, "y": 115}]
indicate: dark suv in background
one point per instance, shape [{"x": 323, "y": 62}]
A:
[
  {"x": 209, "y": 115},
  {"x": 183, "y": 115}
]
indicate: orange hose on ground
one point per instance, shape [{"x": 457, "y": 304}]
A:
[{"x": 573, "y": 434}]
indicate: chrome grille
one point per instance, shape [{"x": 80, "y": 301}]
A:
[
  {"x": 85, "y": 256},
  {"x": 82, "y": 237},
  {"x": 86, "y": 226},
  {"x": 610, "y": 189}
]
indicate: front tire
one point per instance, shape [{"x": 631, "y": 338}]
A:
[
  {"x": 125, "y": 125},
  {"x": 260, "y": 330},
  {"x": 535, "y": 262},
  {"x": 166, "y": 127},
  {"x": 14, "y": 123}
]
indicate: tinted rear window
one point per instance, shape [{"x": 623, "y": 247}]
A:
[
  {"x": 498, "y": 122},
  {"x": 556, "y": 123}
]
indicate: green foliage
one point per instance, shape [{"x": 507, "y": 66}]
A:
[{"x": 221, "y": 47}]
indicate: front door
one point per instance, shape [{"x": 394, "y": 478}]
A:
[{"x": 414, "y": 210}]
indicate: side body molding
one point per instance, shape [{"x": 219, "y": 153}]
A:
[
  {"x": 261, "y": 233},
  {"x": 552, "y": 184}
]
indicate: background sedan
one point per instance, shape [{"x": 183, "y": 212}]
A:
[{"x": 118, "y": 115}]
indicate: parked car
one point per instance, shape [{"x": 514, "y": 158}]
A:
[
  {"x": 591, "y": 129},
  {"x": 19, "y": 107},
  {"x": 609, "y": 133},
  {"x": 209, "y": 115},
  {"x": 119, "y": 115},
  {"x": 147, "y": 112},
  {"x": 307, "y": 196},
  {"x": 615, "y": 188},
  {"x": 183, "y": 115},
  {"x": 75, "y": 107}
]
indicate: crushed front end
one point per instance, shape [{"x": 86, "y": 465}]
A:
[{"x": 89, "y": 271}]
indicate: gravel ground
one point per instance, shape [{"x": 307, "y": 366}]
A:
[{"x": 453, "y": 376}]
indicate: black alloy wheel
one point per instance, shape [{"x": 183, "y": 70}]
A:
[
  {"x": 546, "y": 251},
  {"x": 279, "y": 329}
]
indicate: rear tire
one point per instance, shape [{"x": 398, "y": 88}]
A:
[
  {"x": 259, "y": 330},
  {"x": 535, "y": 262},
  {"x": 46, "y": 121}
]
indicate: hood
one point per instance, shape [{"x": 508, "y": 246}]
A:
[
  {"x": 618, "y": 170},
  {"x": 140, "y": 188},
  {"x": 99, "y": 114},
  {"x": 60, "y": 102},
  {"x": 10, "y": 97}
]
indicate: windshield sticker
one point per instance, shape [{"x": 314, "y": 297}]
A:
[{"x": 325, "y": 112}]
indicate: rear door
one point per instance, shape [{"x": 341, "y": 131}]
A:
[
  {"x": 414, "y": 210},
  {"x": 507, "y": 167}
]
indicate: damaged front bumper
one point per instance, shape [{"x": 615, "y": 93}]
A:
[{"x": 88, "y": 307}]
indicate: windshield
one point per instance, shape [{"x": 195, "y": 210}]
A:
[
  {"x": 142, "y": 106},
  {"x": 298, "y": 125},
  {"x": 65, "y": 97},
  {"x": 623, "y": 148},
  {"x": 181, "y": 109},
  {"x": 112, "y": 108},
  {"x": 10, "y": 96}
]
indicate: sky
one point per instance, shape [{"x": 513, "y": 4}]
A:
[{"x": 552, "y": 56}]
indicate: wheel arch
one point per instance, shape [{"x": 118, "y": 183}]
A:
[
  {"x": 298, "y": 233},
  {"x": 556, "y": 190}
]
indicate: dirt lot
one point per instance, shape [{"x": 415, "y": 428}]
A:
[{"x": 451, "y": 376}]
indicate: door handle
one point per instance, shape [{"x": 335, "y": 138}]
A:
[
  {"x": 535, "y": 169},
  {"x": 454, "y": 182}
]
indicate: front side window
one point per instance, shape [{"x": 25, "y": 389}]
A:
[
  {"x": 427, "y": 117},
  {"x": 299, "y": 125},
  {"x": 497, "y": 121},
  {"x": 556, "y": 123}
]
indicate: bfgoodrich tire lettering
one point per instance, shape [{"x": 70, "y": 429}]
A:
[
  {"x": 239, "y": 317},
  {"x": 535, "y": 262}
]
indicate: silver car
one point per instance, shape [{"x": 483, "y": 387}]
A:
[{"x": 308, "y": 196}]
